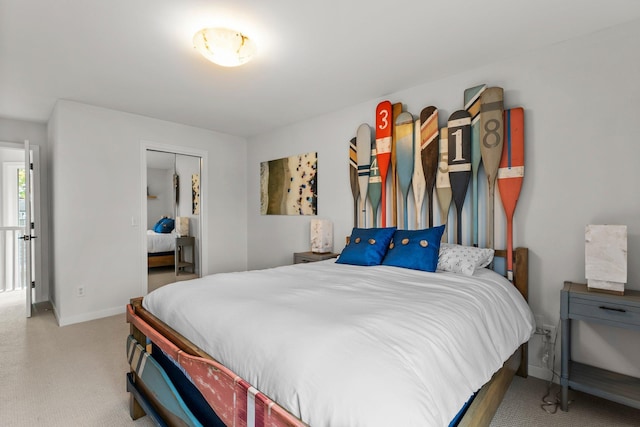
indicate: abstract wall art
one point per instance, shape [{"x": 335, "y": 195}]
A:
[
  {"x": 288, "y": 186},
  {"x": 195, "y": 192}
]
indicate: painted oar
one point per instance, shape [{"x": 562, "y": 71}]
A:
[
  {"x": 472, "y": 105},
  {"x": 491, "y": 141},
  {"x": 375, "y": 184},
  {"x": 404, "y": 152},
  {"x": 353, "y": 177},
  {"x": 443, "y": 185},
  {"x": 429, "y": 142},
  {"x": 384, "y": 125},
  {"x": 511, "y": 173},
  {"x": 417, "y": 180},
  {"x": 459, "y": 161},
  {"x": 363, "y": 148},
  {"x": 396, "y": 110}
]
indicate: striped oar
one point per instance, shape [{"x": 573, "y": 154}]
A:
[
  {"x": 396, "y": 109},
  {"x": 417, "y": 180},
  {"x": 353, "y": 177},
  {"x": 429, "y": 141},
  {"x": 472, "y": 105},
  {"x": 443, "y": 185},
  {"x": 459, "y": 161},
  {"x": 511, "y": 173},
  {"x": 384, "y": 125},
  {"x": 404, "y": 166},
  {"x": 363, "y": 148},
  {"x": 375, "y": 184},
  {"x": 491, "y": 140}
]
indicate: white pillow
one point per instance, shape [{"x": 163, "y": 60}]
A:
[{"x": 463, "y": 259}]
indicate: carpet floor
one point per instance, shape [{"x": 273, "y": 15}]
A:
[{"x": 75, "y": 376}]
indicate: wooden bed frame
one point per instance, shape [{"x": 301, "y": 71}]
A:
[
  {"x": 230, "y": 396},
  {"x": 165, "y": 260}
]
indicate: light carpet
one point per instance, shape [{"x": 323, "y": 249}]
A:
[{"x": 75, "y": 376}]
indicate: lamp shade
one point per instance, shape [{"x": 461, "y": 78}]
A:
[
  {"x": 224, "y": 46},
  {"x": 182, "y": 226},
  {"x": 321, "y": 236},
  {"x": 605, "y": 248}
]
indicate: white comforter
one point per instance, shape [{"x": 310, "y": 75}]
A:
[
  {"x": 160, "y": 242},
  {"x": 341, "y": 345}
]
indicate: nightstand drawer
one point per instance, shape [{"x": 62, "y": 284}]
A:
[{"x": 605, "y": 311}]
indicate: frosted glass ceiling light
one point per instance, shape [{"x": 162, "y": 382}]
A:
[{"x": 225, "y": 47}]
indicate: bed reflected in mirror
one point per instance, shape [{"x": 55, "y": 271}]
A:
[{"x": 169, "y": 197}]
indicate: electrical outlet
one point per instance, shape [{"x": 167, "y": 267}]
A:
[
  {"x": 80, "y": 291},
  {"x": 549, "y": 333}
]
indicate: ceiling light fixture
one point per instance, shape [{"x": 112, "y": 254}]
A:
[{"x": 225, "y": 47}]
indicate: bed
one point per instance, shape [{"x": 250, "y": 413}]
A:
[
  {"x": 160, "y": 249},
  {"x": 432, "y": 380}
]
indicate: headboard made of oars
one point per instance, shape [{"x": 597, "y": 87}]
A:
[{"x": 480, "y": 145}]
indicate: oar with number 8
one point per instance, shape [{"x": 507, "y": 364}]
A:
[{"x": 511, "y": 173}]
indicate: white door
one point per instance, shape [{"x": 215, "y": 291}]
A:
[{"x": 26, "y": 234}]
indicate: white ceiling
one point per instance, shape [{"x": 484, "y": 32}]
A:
[{"x": 314, "y": 56}]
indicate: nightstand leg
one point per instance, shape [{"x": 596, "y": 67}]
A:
[{"x": 566, "y": 356}]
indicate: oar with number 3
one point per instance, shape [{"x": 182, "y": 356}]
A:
[
  {"x": 383, "y": 150},
  {"x": 511, "y": 173}
]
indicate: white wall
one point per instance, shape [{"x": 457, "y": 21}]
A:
[
  {"x": 581, "y": 107},
  {"x": 16, "y": 131},
  {"x": 97, "y": 186}
]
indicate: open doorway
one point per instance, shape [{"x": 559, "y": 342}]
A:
[
  {"x": 20, "y": 254},
  {"x": 173, "y": 217}
]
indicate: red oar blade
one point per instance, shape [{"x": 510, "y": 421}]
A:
[
  {"x": 511, "y": 173},
  {"x": 511, "y": 170}
]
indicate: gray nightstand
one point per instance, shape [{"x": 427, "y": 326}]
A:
[
  {"x": 621, "y": 311},
  {"x": 303, "y": 257},
  {"x": 181, "y": 244}
]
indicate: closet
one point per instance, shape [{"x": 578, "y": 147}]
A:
[{"x": 173, "y": 217}]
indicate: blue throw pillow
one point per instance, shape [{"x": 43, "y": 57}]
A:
[
  {"x": 165, "y": 225},
  {"x": 367, "y": 246},
  {"x": 415, "y": 249}
]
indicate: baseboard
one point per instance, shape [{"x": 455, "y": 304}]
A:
[
  {"x": 541, "y": 373},
  {"x": 85, "y": 317}
]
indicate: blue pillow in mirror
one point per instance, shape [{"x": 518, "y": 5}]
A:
[
  {"x": 165, "y": 225},
  {"x": 415, "y": 249},
  {"x": 367, "y": 246}
]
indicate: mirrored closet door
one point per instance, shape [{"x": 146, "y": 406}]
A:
[{"x": 173, "y": 217}]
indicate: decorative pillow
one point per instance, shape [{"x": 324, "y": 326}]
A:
[
  {"x": 367, "y": 246},
  {"x": 415, "y": 249},
  {"x": 165, "y": 225},
  {"x": 463, "y": 259}
]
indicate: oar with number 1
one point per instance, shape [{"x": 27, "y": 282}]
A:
[
  {"x": 383, "y": 151},
  {"x": 511, "y": 173},
  {"x": 363, "y": 147},
  {"x": 459, "y": 161},
  {"x": 353, "y": 178}
]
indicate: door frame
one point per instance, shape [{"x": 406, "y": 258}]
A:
[
  {"x": 204, "y": 247},
  {"x": 41, "y": 294}
]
